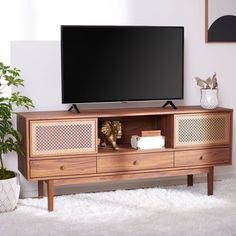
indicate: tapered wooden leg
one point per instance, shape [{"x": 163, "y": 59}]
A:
[
  {"x": 189, "y": 180},
  {"x": 40, "y": 189},
  {"x": 50, "y": 188},
  {"x": 210, "y": 181}
]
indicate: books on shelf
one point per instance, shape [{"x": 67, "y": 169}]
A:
[
  {"x": 150, "y": 133},
  {"x": 147, "y": 142}
]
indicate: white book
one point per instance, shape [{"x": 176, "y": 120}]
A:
[{"x": 143, "y": 143}]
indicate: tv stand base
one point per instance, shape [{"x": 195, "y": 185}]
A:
[
  {"x": 74, "y": 106},
  {"x": 52, "y": 183},
  {"x": 170, "y": 103}
]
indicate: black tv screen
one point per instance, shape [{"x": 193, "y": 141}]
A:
[{"x": 121, "y": 63}]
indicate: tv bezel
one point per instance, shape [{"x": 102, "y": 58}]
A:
[{"x": 124, "y": 100}]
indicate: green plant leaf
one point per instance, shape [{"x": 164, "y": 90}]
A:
[{"x": 19, "y": 100}]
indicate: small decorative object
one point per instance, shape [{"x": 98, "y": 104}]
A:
[
  {"x": 220, "y": 20},
  {"x": 98, "y": 141},
  {"x": 109, "y": 133},
  {"x": 209, "y": 92},
  {"x": 147, "y": 142},
  {"x": 10, "y": 138}
]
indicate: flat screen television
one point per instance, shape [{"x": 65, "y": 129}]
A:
[{"x": 121, "y": 63}]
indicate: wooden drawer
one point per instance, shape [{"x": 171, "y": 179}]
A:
[
  {"x": 202, "y": 157},
  {"x": 61, "y": 167},
  {"x": 134, "y": 162}
]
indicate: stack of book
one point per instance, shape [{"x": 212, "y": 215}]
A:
[{"x": 150, "y": 139}]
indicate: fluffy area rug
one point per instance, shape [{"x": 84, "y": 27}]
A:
[{"x": 168, "y": 211}]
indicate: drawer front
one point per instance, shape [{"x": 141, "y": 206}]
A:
[
  {"x": 202, "y": 157},
  {"x": 202, "y": 129},
  {"x": 134, "y": 162},
  {"x": 62, "y": 167},
  {"x": 62, "y": 137}
]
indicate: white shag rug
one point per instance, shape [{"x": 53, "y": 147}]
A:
[{"x": 165, "y": 211}]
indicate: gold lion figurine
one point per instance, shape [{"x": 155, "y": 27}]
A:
[{"x": 109, "y": 133}]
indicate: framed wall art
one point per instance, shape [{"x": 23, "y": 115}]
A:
[{"x": 220, "y": 20}]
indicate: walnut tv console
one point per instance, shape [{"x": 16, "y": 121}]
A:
[{"x": 62, "y": 147}]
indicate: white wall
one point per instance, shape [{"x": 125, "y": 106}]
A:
[{"x": 40, "y": 62}]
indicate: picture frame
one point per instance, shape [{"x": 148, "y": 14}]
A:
[{"x": 220, "y": 21}]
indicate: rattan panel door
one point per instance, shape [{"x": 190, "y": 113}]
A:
[
  {"x": 63, "y": 137},
  {"x": 201, "y": 129}
]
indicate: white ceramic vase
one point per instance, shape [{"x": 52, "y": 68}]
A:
[
  {"x": 9, "y": 193},
  {"x": 209, "y": 98}
]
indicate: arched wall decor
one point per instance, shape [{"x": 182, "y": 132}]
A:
[{"x": 220, "y": 21}]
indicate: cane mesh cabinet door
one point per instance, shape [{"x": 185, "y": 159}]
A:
[
  {"x": 63, "y": 137},
  {"x": 202, "y": 129}
]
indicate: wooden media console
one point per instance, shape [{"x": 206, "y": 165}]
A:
[{"x": 62, "y": 148}]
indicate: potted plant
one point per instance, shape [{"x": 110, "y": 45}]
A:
[
  {"x": 10, "y": 138},
  {"x": 209, "y": 92}
]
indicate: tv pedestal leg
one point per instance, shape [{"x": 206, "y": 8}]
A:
[
  {"x": 170, "y": 103},
  {"x": 73, "y": 106},
  {"x": 50, "y": 189}
]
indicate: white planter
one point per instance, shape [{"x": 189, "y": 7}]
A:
[
  {"x": 9, "y": 193},
  {"x": 209, "y": 98}
]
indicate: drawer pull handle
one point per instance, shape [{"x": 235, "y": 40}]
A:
[
  {"x": 62, "y": 167},
  {"x": 201, "y": 157},
  {"x": 135, "y": 163}
]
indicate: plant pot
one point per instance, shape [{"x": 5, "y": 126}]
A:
[
  {"x": 9, "y": 193},
  {"x": 209, "y": 98}
]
